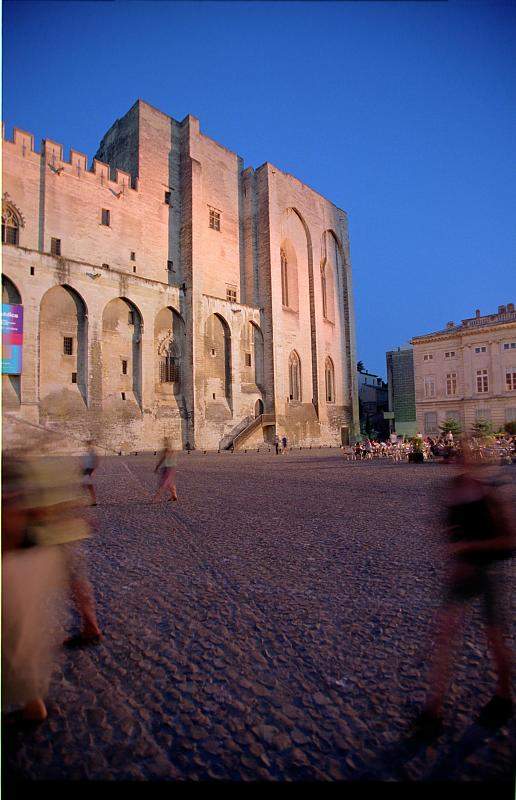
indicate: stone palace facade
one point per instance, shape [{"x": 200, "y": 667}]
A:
[
  {"x": 169, "y": 291},
  {"x": 467, "y": 372}
]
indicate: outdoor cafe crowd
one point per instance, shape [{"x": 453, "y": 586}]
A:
[{"x": 499, "y": 448}]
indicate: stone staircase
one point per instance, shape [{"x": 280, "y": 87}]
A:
[{"x": 242, "y": 432}]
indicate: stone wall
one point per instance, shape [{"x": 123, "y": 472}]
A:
[{"x": 159, "y": 278}]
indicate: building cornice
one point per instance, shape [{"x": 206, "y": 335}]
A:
[{"x": 452, "y": 335}]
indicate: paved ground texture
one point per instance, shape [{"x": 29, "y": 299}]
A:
[{"x": 275, "y": 624}]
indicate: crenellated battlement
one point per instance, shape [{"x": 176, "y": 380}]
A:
[{"x": 118, "y": 181}]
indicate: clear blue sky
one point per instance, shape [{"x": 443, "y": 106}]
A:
[{"x": 403, "y": 114}]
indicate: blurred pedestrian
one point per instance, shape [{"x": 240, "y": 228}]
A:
[
  {"x": 57, "y": 500},
  {"x": 89, "y": 465},
  {"x": 479, "y": 537},
  {"x": 167, "y": 471},
  {"x": 284, "y": 442},
  {"x": 33, "y": 579},
  {"x": 276, "y": 443}
]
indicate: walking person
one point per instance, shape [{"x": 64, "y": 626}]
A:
[
  {"x": 167, "y": 471},
  {"x": 479, "y": 539},
  {"x": 33, "y": 578},
  {"x": 276, "y": 443},
  {"x": 284, "y": 443},
  {"x": 90, "y": 463}
]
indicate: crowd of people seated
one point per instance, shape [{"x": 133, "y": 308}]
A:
[{"x": 499, "y": 448}]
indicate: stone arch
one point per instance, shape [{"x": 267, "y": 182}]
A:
[
  {"x": 10, "y": 292},
  {"x": 311, "y": 300},
  {"x": 258, "y": 408},
  {"x": 217, "y": 352},
  {"x": 329, "y": 380},
  {"x": 294, "y": 377},
  {"x": 330, "y": 269},
  {"x": 258, "y": 353},
  {"x": 332, "y": 252},
  {"x": 169, "y": 347},
  {"x": 11, "y": 383},
  {"x": 63, "y": 353},
  {"x": 122, "y": 329}
]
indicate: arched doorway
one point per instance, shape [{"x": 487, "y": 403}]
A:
[
  {"x": 63, "y": 343},
  {"x": 258, "y": 408},
  {"x": 11, "y": 353},
  {"x": 122, "y": 328}
]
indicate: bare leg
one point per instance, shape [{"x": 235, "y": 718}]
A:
[
  {"x": 449, "y": 619},
  {"x": 92, "y": 494},
  {"x": 502, "y": 659},
  {"x": 84, "y": 601}
]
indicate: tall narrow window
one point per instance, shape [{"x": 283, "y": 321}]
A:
[
  {"x": 429, "y": 384},
  {"x": 294, "y": 377},
  {"x": 284, "y": 279},
  {"x": 68, "y": 346},
  {"x": 124, "y": 367},
  {"x": 106, "y": 217},
  {"x": 10, "y": 226},
  {"x": 330, "y": 381},
  {"x": 323, "y": 292},
  {"x": 510, "y": 380},
  {"x": 169, "y": 369},
  {"x": 451, "y": 383},
  {"x": 231, "y": 294},
  {"x": 214, "y": 219},
  {"x": 55, "y": 247},
  {"x": 482, "y": 382}
]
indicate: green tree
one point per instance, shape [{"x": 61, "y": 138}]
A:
[
  {"x": 360, "y": 366},
  {"x": 482, "y": 428},
  {"x": 510, "y": 428},
  {"x": 451, "y": 425}
]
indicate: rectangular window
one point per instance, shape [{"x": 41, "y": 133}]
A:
[
  {"x": 32, "y": 270},
  {"x": 451, "y": 383},
  {"x": 55, "y": 247},
  {"x": 74, "y": 377},
  {"x": 431, "y": 422},
  {"x": 214, "y": 219},
  {"x": 106, "y": 215},
  {"x": 451, "y": 354},
  {"x": 480, "y": 349},
  {"x": 68, "y": 346},
  {"x": 248, "y": 359},
  {"x": 133, "y": 255},
  {"x": 483, "y": 413},
  {"x": 124, "y": 367},
  {"x": 134, "y": 269},
  {"x": 510, "y": 414},
  {"x": 123, "y": 395},
  {"x": 169, "y": 370},
  {"x": 428, "y": 357},
  {"x": 429, "y": 387},
  {"x": 482, "y": 382},
  {"x": 231, "y": 294},
  {"x": 170, "y": 266},
  {"x": 509, "y": 346},
  {"x": 510, "y": 380},
  {"x": 167, "y": 198}
]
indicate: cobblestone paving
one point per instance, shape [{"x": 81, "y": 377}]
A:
[{"x": 274, "y": 624}]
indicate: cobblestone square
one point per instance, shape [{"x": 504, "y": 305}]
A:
[{"x": 274, "y": 624}]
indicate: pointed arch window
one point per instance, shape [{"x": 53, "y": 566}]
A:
[
  {"x": 329, "y": 373},
  {"x": 169, "y": 365},
  {"x": 10, "y": 226},
  {"x": 294, "y": 377},
  {"x": 284, "y": 278},
  {"x": 324, "y": 292}
]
